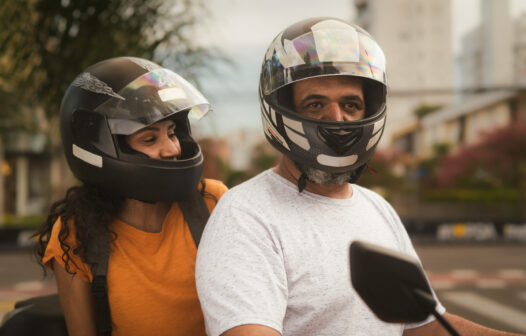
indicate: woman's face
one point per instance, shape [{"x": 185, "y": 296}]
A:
[{"x": 158, "y": 141}]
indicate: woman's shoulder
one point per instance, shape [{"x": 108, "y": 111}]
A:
[
  {"x": 214, "y": 187},
  {"x": 63, "y": 242}
]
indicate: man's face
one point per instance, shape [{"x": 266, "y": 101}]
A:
[{"x": 331, "y": 98}]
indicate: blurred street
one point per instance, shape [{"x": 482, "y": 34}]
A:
[{"x": 485, "y": 283}]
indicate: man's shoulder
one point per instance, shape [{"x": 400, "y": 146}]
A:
[
  {"x": 369, "y": 194},
  {"x": 256, "y": 186}
]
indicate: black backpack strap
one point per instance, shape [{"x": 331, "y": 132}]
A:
[
  {"x": 100, "y": 253},
  {"x": 196, "y": 214}
]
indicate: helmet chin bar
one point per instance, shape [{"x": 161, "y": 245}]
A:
[{"x": 340, "y": 138}]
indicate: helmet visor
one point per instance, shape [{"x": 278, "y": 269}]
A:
[
  {"x": 330, "y": 47},
  {"x": 152, "y": 97}
]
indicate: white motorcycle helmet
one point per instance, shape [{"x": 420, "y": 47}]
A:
[{"x": 323, "y": 47}]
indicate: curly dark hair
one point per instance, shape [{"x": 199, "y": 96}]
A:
[{"x": 91, "y": 210}]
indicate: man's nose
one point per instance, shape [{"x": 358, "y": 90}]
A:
[
  {"x": 334, "y": 112},
  {"x": 171, "y": 149}
]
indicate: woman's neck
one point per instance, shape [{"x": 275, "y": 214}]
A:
[{"x": 148, "y": 217}]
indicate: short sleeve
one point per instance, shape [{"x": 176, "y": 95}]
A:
[
  {"x": 54, "y": 251},
  {"x": 240, "y": 274}
]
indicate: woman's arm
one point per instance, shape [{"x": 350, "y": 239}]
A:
[{"x": 76, "y": 301}]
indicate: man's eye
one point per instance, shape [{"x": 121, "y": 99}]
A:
[
  {"x": 314, "y": 105},
  {"x": 353, "y": 106}
]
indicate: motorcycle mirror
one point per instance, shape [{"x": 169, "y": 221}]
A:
[{"x": 391, "y": 283}]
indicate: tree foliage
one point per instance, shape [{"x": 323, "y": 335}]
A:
[
  {"x": 44, "y": 44},
  {"x": 491, "y": 171},
  {"x": 497, "y": 161}
]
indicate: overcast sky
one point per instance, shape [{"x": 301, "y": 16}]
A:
[{"x": 244, "y": 28}]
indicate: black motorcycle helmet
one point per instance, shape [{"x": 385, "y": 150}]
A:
[
  {"x": 118, "y": 97},
  {"x": 323, "y": 47}
]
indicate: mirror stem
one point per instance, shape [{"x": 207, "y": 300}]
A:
[{"x": 445, "y": 323}]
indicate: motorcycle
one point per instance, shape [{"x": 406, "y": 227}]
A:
[{"x": 393, "y": 285}]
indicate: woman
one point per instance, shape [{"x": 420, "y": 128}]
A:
[{"x": 126, "y": 136}]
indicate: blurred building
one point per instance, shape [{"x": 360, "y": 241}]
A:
[
  {"x": 25, "y": 170},
  {"x": 488, "y": 52},
  {"x": 462, "y": 124},
  {"x": 519, "y": 50},
  {"x": 416, "y": 38},
  {"x": 492, "y": 67}
]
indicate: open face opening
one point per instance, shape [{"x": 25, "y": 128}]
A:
[{"x": 157, "y": 141}]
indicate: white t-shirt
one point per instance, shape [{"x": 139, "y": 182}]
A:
[{"x": 273, "y": 256}]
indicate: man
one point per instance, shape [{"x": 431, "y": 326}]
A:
[{"x": 274, "y": 255}]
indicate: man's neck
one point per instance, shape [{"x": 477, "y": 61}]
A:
[{"x": 287, "y": 169}]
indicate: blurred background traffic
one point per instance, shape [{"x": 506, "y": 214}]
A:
[{"x": 452, "y": 160}]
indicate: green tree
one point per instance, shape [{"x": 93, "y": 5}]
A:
[
  {"x": 493, "y": 169},
  {"x": 44, "y": 44}
]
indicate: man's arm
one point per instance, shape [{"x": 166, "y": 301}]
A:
[
  {"x": 251, "y": 330},
  {"x": 463, "y": 326}
]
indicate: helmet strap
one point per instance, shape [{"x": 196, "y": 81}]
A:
[
  {"x": 302, "y": 182},
  {"x": 357, "y": 172}
]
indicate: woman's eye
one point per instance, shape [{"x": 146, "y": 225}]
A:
[{"x": 149, "y": 140}]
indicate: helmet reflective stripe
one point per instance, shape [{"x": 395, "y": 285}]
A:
[
  {"x": 266, "y": 109},
  {"x": 294, "y": 124},
  {"x": 88, "y": 157},
  {"x": 373, "y": 141},
  {"x": 337, "y": 161},
  {"x": 272, "y": 133},
  {"x": 273, "y": 115},
  {"x": 297, "y": 126},
  {"x": 336, "y": 42},
  {"x": 297, "y": 139},
  {"x": 378, "y": 125}
]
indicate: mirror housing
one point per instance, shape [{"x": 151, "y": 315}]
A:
[{"x": 391, "y": 283}]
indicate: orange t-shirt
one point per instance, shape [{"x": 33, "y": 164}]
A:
[{"x": 151, "y": 276}]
